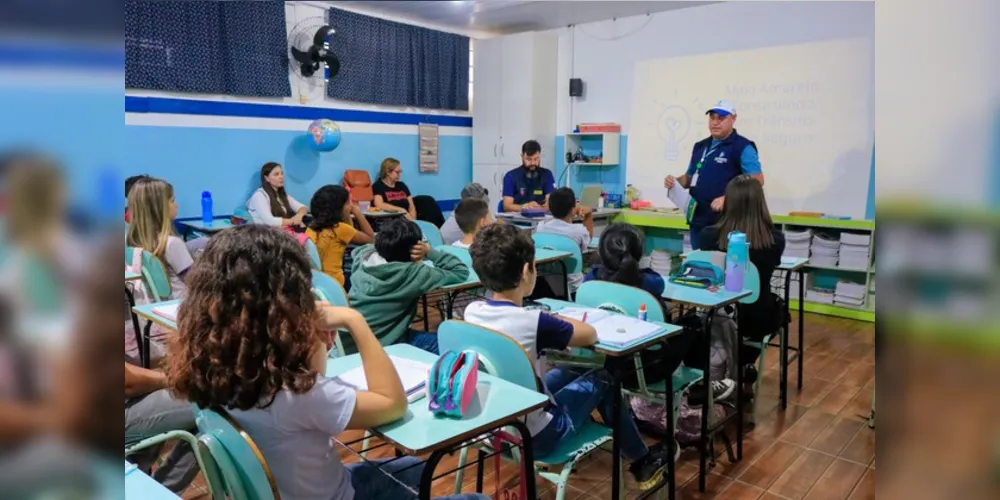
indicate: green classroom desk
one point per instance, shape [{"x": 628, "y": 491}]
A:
[
  {"x": 145, "y": 311},
  {"x": 139, "y": 486},
  {"x": 499, "y": 404},
  {"x": 624, "y": 353}
]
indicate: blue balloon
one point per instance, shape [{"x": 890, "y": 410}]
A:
[{"x": 325, "y": 135}]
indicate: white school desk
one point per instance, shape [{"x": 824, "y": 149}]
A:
[{"x": 498, "y": 404}]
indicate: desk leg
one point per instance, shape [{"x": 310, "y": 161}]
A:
[
  {"x": 616, "y": 450},
  {"x": 147, "y": 353},
  {"x": 739, "y": 391},
  {"x": 528, "y": 458},
  {"x": 427, "y": 320},
  {"x": 705, "y": 444},
  {"x": 569, "y": 297},
  {"x": 427, "y": 477},
  {"x": 135, "y": 327},
  {"x": 451, "y": 303},
  {"x": 671, "y": 465},
  {"x": 802, "y": 322},
  {"x": 783, "y": 369}
]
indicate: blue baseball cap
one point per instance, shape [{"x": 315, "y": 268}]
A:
[{"x": 722, "y": 108}]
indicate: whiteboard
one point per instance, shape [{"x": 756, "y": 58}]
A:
[{"x": 807, "y": 107}]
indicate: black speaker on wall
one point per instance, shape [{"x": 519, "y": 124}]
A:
[{"x": 575, "y": 87}]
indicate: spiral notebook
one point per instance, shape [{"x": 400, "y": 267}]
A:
[{"x": 413, "y": 375}]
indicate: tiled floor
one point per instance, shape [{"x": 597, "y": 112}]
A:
[{"x": 819, "y": 448}]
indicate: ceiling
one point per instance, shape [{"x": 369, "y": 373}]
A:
[{"x": 484, "y": 18}]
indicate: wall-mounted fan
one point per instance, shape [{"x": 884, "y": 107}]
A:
[{"x": 310, "y": 44}]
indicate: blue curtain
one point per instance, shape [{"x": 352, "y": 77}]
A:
[
  {"x": 384, "y": 62},
  {"x": 231, "y": 48}
]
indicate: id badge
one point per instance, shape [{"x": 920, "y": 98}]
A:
[{"x": 694, "y": 179}]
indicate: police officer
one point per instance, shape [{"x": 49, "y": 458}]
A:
[
  {"x": 715, "y": 161},
  {"x": 529, "y": 185}
]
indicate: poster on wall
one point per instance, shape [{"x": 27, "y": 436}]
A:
[{"x": 428, "y": 134}]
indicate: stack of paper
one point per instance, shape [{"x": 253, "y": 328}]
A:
[
  {"x": 412, "y": 373},
  {"x": 825, "y": 250},
  {"x": 854, "y": 257},
  {"x": 850, "y": 294},
  {"x": 587, "y": 315},
  {"x": 820, "y": 295},
  {"x": 797, "y": 243},
  {"x": 661, "y": 262},
  {"x": 168, "y": 311}
]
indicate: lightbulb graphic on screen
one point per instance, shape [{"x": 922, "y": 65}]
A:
[{"x": 673, "y": 126}]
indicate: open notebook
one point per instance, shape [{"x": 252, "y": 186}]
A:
[
  {"x": 412, "y": 373},
  {"x": 168, "y": 311},
  {"x": 613, "y": 329}
]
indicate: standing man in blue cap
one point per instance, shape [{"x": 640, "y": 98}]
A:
[{"x": 715, "y": 161}]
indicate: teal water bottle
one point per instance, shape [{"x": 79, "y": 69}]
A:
[{"x": 737, "y": 254}]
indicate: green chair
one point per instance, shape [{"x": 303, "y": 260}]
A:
[
  {"x": 327, "y": 289},
  {"x": 246, "y": 474},
  {"x": 206, "y": 463},
  {"x": 751, "y": 281},
  {"x": 627, "y": 300},
  {"x": 503, "y": 357},
  {"x": 558, "y": 242},
  {"x": 154, "y": 277},
  {"x": 432, "y": 235},
  {"x": 462, "y": 254}
]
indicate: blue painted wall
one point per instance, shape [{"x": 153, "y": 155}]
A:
[
  {"x": 611, "y": 177},
  {"x": 227, "y": 162}
]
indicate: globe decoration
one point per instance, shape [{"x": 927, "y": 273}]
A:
[{"x": 324, "y": 134}]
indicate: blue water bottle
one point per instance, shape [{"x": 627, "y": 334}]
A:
[
  {"x": 206, "y": 208},
  {"x": 737, "y": 254}
]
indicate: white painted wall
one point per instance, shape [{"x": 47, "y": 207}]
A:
[{"x": 604, "y": 54}]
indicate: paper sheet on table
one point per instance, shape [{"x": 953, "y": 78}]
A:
[
  {"x": 593, "y": 315},
  {"x": 679, "y": 196},
  {"x": 622, "y": 330},
  {"x": 412, "y": 373},
  {"x": 168, "y": 311}
]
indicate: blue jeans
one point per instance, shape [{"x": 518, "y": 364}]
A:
[
  {"x": 371, "y": 483},
  {"x": 577, "y": 393},
  {"x": 423, "y": 340},
  {"x": 696, "y": 237}
]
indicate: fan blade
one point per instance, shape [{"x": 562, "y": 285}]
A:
[
  {"x": 320, "y": 37},
  {"x": 302, "y": 57},
  {"x": 333, "y": 62}
]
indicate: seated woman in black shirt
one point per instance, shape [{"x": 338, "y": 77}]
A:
[
  {"x": 745, "y": 210},
  {"x": 391, "y": 194}
]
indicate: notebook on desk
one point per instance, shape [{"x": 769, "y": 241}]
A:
[
  {"x": 613, "y": 329},
  {"x": 413, "y": 375},
  {"x": 167, "y": 311}
]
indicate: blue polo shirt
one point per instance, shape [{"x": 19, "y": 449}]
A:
[
  {"x": 525, "y": 186},
  {"x": 721, "y": 162}
]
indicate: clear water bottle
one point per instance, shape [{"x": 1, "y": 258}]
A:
[
  {"x": 206, "y": 208},
  {"x": 737, "y": 255}
]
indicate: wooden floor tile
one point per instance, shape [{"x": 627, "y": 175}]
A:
[
  {"x": 771, "y": 465},
  {"x": 740, "y": 491},
  {"x": 838, "y": 481},
  {"x": 837, "y": 399},
  {"x": 713, "y": 486},
  {"x": 861, "y": 448},
  {"x": 835, "y": 436},
  {"x": 865, "y": 489},
  {"x": 807, "y": 428},
  {"x": 812, "y": 392},
  {"x": 800, "y": 477},
  {"x": 835, "y": 370}
]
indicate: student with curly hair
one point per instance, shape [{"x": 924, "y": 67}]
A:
[
  {"x": 331, "y": 228},
  {"x": 251, "y": 343}
]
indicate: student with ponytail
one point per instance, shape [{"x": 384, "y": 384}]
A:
[{"x": 620, "y": 250}]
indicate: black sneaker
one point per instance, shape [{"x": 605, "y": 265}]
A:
[
  {"x": 650, "y": 471},
  {"x": 749, "y": 374},
  {"x": 721, "y": 389}
]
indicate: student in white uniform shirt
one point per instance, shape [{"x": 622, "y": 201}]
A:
[
  {"x": 504, "y": 258},
  {"x": 271, "y": 205},
  {"x": 152, "y": 210},
  {"x": 471, "y": 214},
  {"x": 562, "y": 204}
]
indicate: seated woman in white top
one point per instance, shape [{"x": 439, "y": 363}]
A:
[{"x": 271, "y": 205}]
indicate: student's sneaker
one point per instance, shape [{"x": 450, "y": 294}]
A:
[
  {"x": 651, "y": 470},
  {"x": 721, "y": 389}
]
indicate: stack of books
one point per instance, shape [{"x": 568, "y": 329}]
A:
[
  {"x": 797, "y": 243},
  {"x": 661, "y": 262},
  {"x": 855, "y": 251},
  {"x": 850, "y": 294},
  {"x": 413, "y": 374},
  {"x": 821, "y": 295},
  {"x": 825, "y": 250}
]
